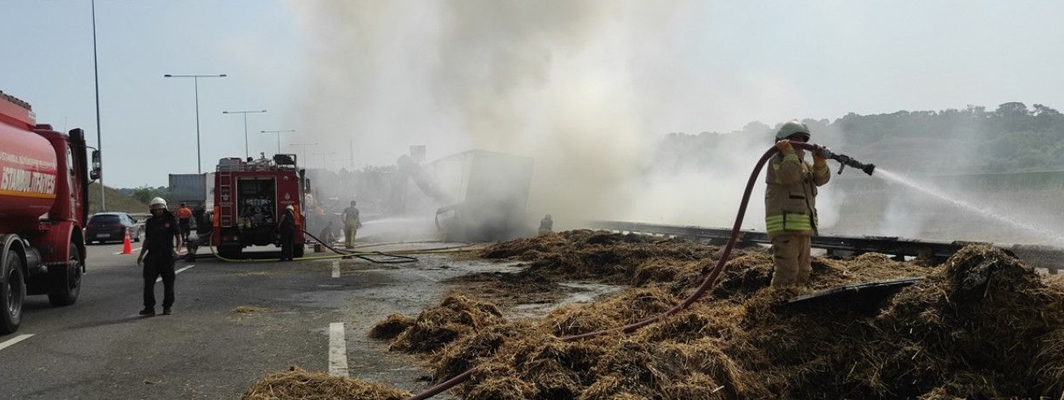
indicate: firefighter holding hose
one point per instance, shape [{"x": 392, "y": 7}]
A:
[{"x": 790, "y": 205}]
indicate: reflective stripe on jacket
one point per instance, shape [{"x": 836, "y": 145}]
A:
[{"x": 790, "y": 197}]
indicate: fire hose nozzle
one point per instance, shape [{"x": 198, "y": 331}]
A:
[{"x": 845, "y": 160}]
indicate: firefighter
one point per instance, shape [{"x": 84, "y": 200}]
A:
[
  {"x": 546, "y": 225},
  {"x": 161, "y": 232},
  {"x": 790, "y": 205},
  {"x": 327, "y": 234},
  {"x": 287, "y": 228},
  {"x": 184, "y": 219},
  {"x": 351, "y": 225}
]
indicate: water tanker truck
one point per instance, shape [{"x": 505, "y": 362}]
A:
[{"x": 43, "y": 205}]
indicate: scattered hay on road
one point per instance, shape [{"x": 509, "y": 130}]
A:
[
  {"x": 250, "y": 310},
  {"x": 299, "y": 384},
  {"x": 391, "y": 327},
  {"x": 982, "y": 325}
]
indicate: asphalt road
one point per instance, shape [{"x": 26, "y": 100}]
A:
[{"x": 100, "y": 348}]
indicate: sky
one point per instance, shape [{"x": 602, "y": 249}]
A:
[{"x": 364, "y": 80}]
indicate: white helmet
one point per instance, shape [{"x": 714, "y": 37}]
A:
[
  {"x": 792, "y": 128},
  {"x": 157, "y": 201}
]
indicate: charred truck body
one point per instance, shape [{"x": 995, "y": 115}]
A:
[
  {"x": 197, "y": 191},
  {"x": 488, "y": 193},
  {"x": 44, "y": 184},
  {"x": 249, "y": 197}
]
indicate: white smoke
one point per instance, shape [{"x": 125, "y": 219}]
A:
[{"x": 586, "y": 88}]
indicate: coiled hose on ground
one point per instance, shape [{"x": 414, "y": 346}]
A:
[{"x": 709, "y": 282}]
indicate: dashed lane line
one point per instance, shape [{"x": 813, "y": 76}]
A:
[
  {"x": 16, "y": 339},
  {"x": 337, "y": 350},
  {"x": 160, "y": 279},
  {"x": 336, "y": 269}
]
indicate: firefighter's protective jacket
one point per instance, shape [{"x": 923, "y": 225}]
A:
[{"x": 790, "y": 198}]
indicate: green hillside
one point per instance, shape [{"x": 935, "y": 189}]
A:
[{"x": 116, "y": 201}]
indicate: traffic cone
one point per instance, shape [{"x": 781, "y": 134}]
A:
[{"x": 127, "y": 245}]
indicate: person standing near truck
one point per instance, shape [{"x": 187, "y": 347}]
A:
[
  {"x": 351, "y": 225},
  {"x": 161, "y": 232},
  {"x": 184, "y": 220},
  {"x": 287, "y": 228}
]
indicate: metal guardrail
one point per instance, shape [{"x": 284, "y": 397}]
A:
[{"x": 1050, "y": 258}]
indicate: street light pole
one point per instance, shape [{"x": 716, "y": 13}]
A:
[
  {"x": 96, "y": 76},
  {"x": 247, "y": 153},
  {"x": 279, "y": 137},
  {"x": 195, "y": 79}
]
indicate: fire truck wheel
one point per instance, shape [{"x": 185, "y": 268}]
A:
[
  {"x": 297, "y": 251},
  {"x": 66, "y": 282},
  {"x": 12, "y": 293}
]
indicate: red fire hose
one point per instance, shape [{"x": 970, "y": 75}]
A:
[{"x": 709, "y": 282}]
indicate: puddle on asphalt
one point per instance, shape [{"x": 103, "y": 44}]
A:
[{"x": 578, "y": 292}]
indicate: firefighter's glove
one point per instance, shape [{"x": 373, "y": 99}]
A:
[
  {"x": 784, "y": 146},
  {"x": 818, "y": 157}
]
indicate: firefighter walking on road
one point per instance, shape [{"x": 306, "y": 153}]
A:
[
  {"x": 287, "y": 229},
  {"x": 351, "y": 225},
  {"x": 158, "y": 254},
  {"x": 184, "y": 220},
  {"x": 790, "y": 205}
]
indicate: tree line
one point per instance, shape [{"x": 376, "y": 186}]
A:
[{"x": 1011, "y": 138}]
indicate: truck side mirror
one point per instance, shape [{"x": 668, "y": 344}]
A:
[{"x": 96, "y": 166}]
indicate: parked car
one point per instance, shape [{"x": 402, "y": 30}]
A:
[{"x": 112, "y": 226}]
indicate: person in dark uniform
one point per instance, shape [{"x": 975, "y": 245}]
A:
[
  {"x": 287, "y": 228},
  {"x": 161, "y": 232}
]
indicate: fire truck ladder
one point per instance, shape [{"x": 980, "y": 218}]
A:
[{"x": 225, "y": 188}]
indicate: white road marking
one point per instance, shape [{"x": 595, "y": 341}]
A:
[
  {"x": 135, "y": 249},
  {"x": 337, "y": 350},
  {"x": 17, "y": 339},
  {"x": 160, "y": 279},
  {"x": 336, "y": 269}
]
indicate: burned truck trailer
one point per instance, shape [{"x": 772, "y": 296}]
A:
[
  {"x": 488, "y": 192},
  {"x": 249, "y": 199}
]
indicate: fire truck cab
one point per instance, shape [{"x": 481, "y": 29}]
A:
[{"x": 250, "y": 197}]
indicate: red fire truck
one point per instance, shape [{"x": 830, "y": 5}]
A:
[
  {"x": 44, "y": 186},
  {"x": 249, "y": 197}
]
